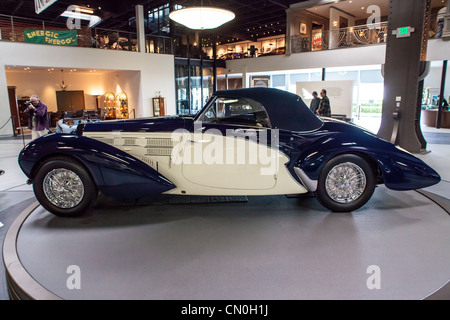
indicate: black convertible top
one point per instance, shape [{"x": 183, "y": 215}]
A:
[{"x": 286, "y": 110}]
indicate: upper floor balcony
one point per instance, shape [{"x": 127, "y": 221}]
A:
[
  {"x": 348, "y": 37},
  {"x": 27, "y": 30}
]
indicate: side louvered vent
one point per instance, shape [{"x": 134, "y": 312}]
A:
[
  {"x": 159, "y": 142},
  {"x": 158, "y": 151},
  {"x": 151, "y": 163},
  {"x": 129, "y": 142}
]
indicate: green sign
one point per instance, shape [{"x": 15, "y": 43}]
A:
[
  {"x": 402, "y": 31},
  {"x": 58, "y": 38}
]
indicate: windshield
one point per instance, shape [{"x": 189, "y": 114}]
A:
[{"x": 239, "y": 111}]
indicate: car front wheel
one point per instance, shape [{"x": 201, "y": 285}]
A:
[
  {"x": 64, "y": 187},
  {"x": 346, "y": 183}
]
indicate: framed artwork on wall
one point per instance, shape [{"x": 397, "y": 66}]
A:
[
  {"x": 302, "y": 28},
  {"x": 261, "y": 81}
]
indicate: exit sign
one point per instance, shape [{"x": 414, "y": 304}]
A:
[{"x": 403, "y": 32}]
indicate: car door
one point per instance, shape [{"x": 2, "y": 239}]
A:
[{"x": 230, "y": 147}]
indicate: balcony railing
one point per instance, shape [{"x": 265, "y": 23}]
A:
[
  {"x": 341, "y": 38},
  {"x": 13, "y": 29}
]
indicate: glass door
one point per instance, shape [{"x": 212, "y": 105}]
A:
[{"x": 182, "y": 89}]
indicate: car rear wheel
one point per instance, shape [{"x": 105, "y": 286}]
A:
[
  {"x": 64, "y": 187},
  {"x": 346, "y": 183}
]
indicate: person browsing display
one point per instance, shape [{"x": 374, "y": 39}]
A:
[
  {"x": 37, "y": 117},
  {"x": 324, "y": 109},
  {"x": 315, "y": 102}
]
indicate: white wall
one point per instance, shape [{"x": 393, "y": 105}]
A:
[{"x": 156, "y": 71}]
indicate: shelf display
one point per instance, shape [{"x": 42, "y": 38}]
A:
[
  {"x": 158, "y": 107},
  {"x": 110, "y": 106},
  {"x": 122, "y": 106}
]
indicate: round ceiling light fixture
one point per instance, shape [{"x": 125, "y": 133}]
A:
[{"x": 201, "y": 18}]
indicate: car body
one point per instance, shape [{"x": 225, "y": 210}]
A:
[{"x": 256, "y": 141}]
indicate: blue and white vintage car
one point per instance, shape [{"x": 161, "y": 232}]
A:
[{"x": 255, "y": 141}]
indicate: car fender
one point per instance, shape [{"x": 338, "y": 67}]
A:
[
  {"x": 115, "y": 172},
  {"x": 396, "y": 168}
]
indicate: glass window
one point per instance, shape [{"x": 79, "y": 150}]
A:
[
  {"x": 299, "y": 77},
  {"x": 279, "y": 80},
  {"x": 341, "y": 75},
  {"x": 241, "y": 111},
  {"x": 371, "y": 76}
]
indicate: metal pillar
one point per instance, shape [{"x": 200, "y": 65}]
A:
[
  {"x": 140, "y": 28},
  {"x": 441, "y": 95},
  {"x": 401, "y": 74},
  {"x": 214, "y": 66}
]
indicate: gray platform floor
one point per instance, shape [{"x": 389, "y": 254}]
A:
[{"x": 268, "y": 248}]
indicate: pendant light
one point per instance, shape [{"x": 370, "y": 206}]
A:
[
  {"x": 201, "y": 18},
  {"x": 63, "y": 85}
]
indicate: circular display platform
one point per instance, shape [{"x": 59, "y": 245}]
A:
[{"x": 277, "y": 247}]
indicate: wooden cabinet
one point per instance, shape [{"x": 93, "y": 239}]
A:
[
  {"x": 23, "y": 117},
  {"x": 14, "y": 107},
  {"x": 159, "y": 107},
  {"x": 70, "y": 100}
]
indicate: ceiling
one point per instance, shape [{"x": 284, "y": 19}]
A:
[{"x": 252, "y": 16}]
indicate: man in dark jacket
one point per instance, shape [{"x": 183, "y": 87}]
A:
[
  {"x": 314, "y": 102},
  {"x": 324, "y": 106},
  {"x": 37, "y": 117}
]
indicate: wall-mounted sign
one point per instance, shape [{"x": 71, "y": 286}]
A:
[
  {"x": 58, "y": 38},
  {"x": 403, "y": 32},
  {"x": 41, "y": 5}
]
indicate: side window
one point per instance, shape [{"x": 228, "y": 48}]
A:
[{"x": 240, "y": 111}]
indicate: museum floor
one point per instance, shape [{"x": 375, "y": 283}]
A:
[{"x": 265, "y": 248}]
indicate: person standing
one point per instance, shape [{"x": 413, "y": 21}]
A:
[
  {"x": 324, "y": 109},
  {"x": 314, "y": 102},
  {"x": 37, "y": 117}
]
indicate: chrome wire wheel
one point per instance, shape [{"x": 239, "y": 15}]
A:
[
  {"x": 345, "y": 182},
  {"x": 63, "y": 188}
]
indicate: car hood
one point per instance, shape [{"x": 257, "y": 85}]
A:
[{"x": 161, "y": 124}]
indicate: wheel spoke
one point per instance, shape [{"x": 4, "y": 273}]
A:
[
  {"x": 345, "y": 182},
  {"x": 63, "y": 188}
]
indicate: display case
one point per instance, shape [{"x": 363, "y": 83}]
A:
[
  {"x": 159, "y": 107},
  {"x": 110, "y": 106},
  {"x": 122, "y": 106}
]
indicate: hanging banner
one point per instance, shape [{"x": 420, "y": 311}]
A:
[
  {"x": 58, "y": 38},
  {"x": 41, "y": 5}
]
